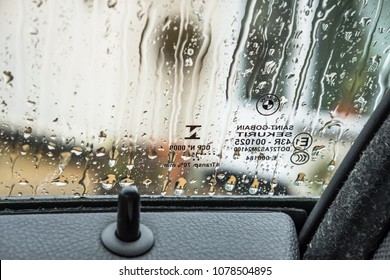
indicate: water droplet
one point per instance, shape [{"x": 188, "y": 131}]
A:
[
  {"x": 130, "y": 166},
  {"x": 365, "y": 21},
  {"x": 8, "y": 78},
  {"x": 23, "y": 182},
  {"x": 27, "y": 132},
  {"x": 130, "y": 161},
  {"x": 213, "y": 184},
  {"x": 376, "y": 59},
  {"x": 65, "y": 157},
  {"x": 108, "y": 182},
  {"x": 316, "y": 151},
  {"x": 113, "y": 156},
  {"x": 325, "y": 184},
  {"x": 100, "y": 152},
  {"x": 152, "y": 153},
  {"x": 188, "y": 62},
  {"x": 200, "y": 153},
  {"x": 60, "y": 181},
  {"x": 193, "y": 181},
  {"x": 274, "y": 183},
  {"x": 283, "y": 101},
  {"x": 254, "y": 187},
  {"x": 360, "y": 104},
  {"x": 38, "y": 3},
  {"x": 190, "y": 51},
  {"x": 126, "y": 182},
  {"x": 299, "y": 180},
  {"x": 51, "y": 146},
  {"x": 147, "y": 182},
  {"x": 236, "y": 154},
  {"x": 231, "y": 183},
  {"x": 171, "y": 156},
  {"x": 186, "y": 155},
  {"x": 270, "y": 67},
  {"x": 111, "y": 3},
  {"x": 102, "y": 136},
  {"x": 34, "y": 31},
  {"x": 262, "y": 84},
  {"x": 165, "y": 185},
  {"x": 37, "y": 158},
  {"x": 290, "y": 75},
  {"x": 25, "y": 148},
  {"x": 331, "y": 78},
  {"x": 171, "y": 159},
  {"x": 178, "y": 192},
  {"x": 220, "y": 176},
  {"x": 180, "y": 186},
  {"x": 89, "y": 155},
  {"x": 76, "y": 150},
  {"x": 331, "y": 165},
  {"x": 111, "y": 162}
]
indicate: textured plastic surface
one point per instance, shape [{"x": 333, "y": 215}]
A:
[
  {"x": 359, "y": 218},
  {"x": 128, "y": 249},
  {"x": 178, "y": 235},
  {"x": 365, "y": 137},
  {"x": 383, "y": 252}
]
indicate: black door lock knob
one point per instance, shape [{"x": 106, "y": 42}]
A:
[{"x": 128, "y": 237}]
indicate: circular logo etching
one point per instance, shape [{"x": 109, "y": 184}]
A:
[
  {"x": 303, "y": 141},
  {"x": 267, "y": 104},
  {"x": 299, "y": 158}
]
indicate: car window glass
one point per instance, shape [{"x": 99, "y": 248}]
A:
[{"x": 185, "y": 98}]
